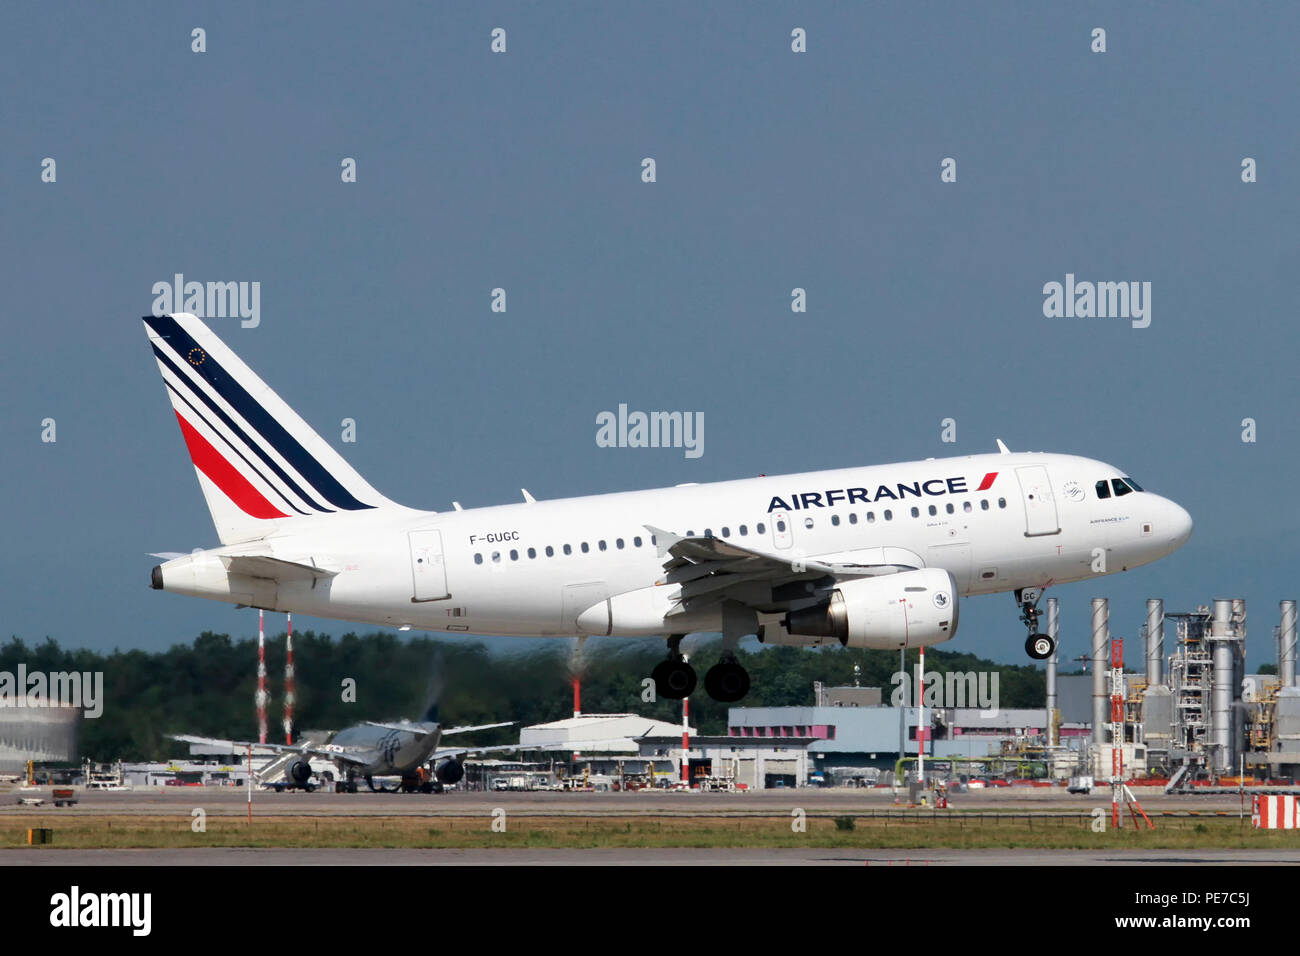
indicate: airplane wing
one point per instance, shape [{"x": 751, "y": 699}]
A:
[
  {"x": 465, "y": 730},
  {"x": 709, "y": 570},
  {"x": 357, "y": 757},
  {"x": 468, "y": 751},
  {"x": 428, "y": 728}
]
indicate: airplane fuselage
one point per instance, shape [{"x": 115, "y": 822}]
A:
[{"x": 592, "y": 565}]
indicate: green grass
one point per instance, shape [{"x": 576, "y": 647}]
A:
[{"x": 622, "y": 832}]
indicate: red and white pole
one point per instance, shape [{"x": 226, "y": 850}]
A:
[
  {"x": 290, "y": 690},
  {"x": 686, "y": 741},
  {"x": 921, "y": 725},
  {"x": 261, "y": 680},
  {"x": 577, "y": 697}
]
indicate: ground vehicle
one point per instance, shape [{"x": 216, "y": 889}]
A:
[{"x": 64, "y": 796}]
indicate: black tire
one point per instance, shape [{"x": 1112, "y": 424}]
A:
[
  {"x": 674, "y": 680},
  {"x": 1039, "y": 646},
  {"x": 726, "y": 682}
]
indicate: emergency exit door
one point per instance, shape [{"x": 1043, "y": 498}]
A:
[
  {"x": 1040, "y": 504},
  {"x": 428, "y": 570}
]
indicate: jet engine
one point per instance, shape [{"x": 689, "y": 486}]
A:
[
  {"x": 299, "y": 772},
  {"x": 448, "y": 771},
  {"x": 913, "y": 608}
]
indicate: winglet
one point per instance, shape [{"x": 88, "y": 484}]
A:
[
  {"x": 1003, "y": 449},
  {"x": 664, "y": 539}
]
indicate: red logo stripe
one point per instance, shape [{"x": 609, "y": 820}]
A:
[
  {"x": 987, "y": 483},
  {"x": 224, "y": 475}
]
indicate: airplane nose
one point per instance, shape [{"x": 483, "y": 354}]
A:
[{"x": 1180, "y": 523}]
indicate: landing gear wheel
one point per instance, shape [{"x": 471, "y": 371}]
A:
[
  {"x": 1039, "y": 646},
  {"x": 674, "y": 679},
  {"x": 726, "y": 682}
]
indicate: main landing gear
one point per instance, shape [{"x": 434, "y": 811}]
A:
[
  {"x": 674, "y": 678},
  {"x": 1038, "y": 646},
  {"x": 726, "y": 681}
]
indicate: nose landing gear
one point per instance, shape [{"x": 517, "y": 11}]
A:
[{"x": 1038, "y": 646}]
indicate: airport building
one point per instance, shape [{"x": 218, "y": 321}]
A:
[{"x": 38, "y": 733}]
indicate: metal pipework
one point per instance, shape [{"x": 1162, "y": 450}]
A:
[
  {"x": 1100, "y": 649},
  {"x": 1221, "y": 634},
  {"x": 1053, "y": 631},
  {"x": 1286, "y": 644},
  {"x": 1155, "y": 641}
]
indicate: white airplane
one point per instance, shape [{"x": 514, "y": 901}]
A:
[{"x": 876, "y": 557}]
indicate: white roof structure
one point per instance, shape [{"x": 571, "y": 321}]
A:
[{"x": 597, "y": 733}]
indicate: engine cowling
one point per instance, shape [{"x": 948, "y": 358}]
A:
[
  {"x": 299, "y": 772},
  {"x": 913, "y": 608},
  {"x": 448, "y": 771}
]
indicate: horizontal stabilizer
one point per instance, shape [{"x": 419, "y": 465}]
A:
[{"x": 260, "y": 566}]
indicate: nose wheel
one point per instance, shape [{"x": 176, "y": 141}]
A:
[
  {"x": 674, "y": 678},
  {"x": 1038, "y": 646}
]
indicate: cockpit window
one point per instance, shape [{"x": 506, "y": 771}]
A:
[
  {"x": 1132, "y": 484},
  {"x": 1121, "y": 489},
  {"x": 1103, "y": 489}
]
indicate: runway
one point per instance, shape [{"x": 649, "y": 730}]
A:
[{"x": 230, "y": 801}]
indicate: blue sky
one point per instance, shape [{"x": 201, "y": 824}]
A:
[{"x": 775, "y": 170}]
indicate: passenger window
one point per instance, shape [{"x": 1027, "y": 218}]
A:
[
  {"x": 550, "y": 552},
  {"x": 760, "y": 528},
  {"x": 933, "y": 511},
  {"x": 568, "y": 549},
  {"x": 618, "y": 543},
  {"x": 654, "y": 539},
  {"x": 871, "y": 517},
  {"x": 808, "y": 522},
  {"x": 1103, "y": 489},
  {"x": 708, "y": 532},
  {"x": 514, "y": 555},
  {"x": 1121, "y": 489},
  {"x": 889, "y": 515},
  {"x": 780, "y": 526},
  {"x": 948, "y": 508},
  {"x": 966, "y": 507},
  {"x": 744, "y": 530},
  {"x": 585, "y": 549},
  {"x": 532, "y": 552},
  {"x": 1002, "y": 502},
  {"x": 636, "y": 542},
  {"x": 602, "y": 544},
  {"x": 853, "y": 517},
  {"x": 916, "y": 512},
  {"x": 478, "y": 559},
  {"x": 835, "y": 520},
  {"x": 726, "y": 532},
  {"x": 496, "y": 557},
  {"x": 984, "y": 504}
]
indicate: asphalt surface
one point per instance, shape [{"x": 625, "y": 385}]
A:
[{"x": 222, "y": 801}]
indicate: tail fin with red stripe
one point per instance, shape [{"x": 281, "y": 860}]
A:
[{"x": 259, "y": 464}]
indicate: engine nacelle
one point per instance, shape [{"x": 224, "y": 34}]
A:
[
  {"x": 913, "y": 608},
  {"x": 299, "y": 772},
  {"x": 449, "y": 771}
]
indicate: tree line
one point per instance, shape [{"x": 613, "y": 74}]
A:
[{"x": 207, "y": 687}]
